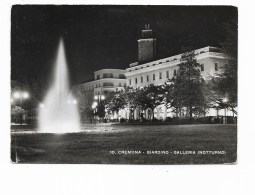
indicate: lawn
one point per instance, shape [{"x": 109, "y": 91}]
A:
[{"x": 109, "y": 144}]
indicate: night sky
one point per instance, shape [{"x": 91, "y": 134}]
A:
[{"x": 99, "y": 37}]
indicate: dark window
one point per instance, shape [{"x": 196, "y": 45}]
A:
[
  {"x": 108, "y": 84},
  {"x": 147, "y": 77},
  {"x": 160, "y": 75},
  {"x": 107, "y": 75},
  {"x": 226, "y": 66},
  {"x": 129, "y": 81},
  {"x": 119, "y": 84},
  {"x": 153, "y": 77},
  {"x": 167, "y": 74},
  {"x": 216, "y": 67},
  {"x": 98, "y": 76},
  {"x": 125, "y": 84},
  {"x": 121, "y": 76},
  {"x": 135, "y": 80},
  {"x": 141, "y": 79},
  {"x": 174, "y": 72},
  {"x": 202, "y": 68}
]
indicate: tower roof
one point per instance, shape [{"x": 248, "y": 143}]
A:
[{"x": 146, "y": 32}]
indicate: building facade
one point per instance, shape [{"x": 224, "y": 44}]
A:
[
  {"x": 149, "y": 70},
  {"x": 160, "y": 71},
  {"x": 105, "y": 81}
]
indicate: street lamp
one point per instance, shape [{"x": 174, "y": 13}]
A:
[
  {"x": 96, "y": 104},
  {"x": 225, "y": 104},
  {"x": 20, "y": 95},
  {"x": 99, "y": 97}
]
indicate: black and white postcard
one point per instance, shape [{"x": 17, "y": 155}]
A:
[{"x": 124, "y": 84}]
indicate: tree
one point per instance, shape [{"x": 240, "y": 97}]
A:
[
  {"x": 130, "y": 96},
  {"x": 150, "y": 97},
  {"x": 173, "y": 97},
  {"x": 115, "y": 101},
  {"x": 188, "y": 86},
  {"x": 214, "y": 94},
  {"x": 228, "y": 79}
]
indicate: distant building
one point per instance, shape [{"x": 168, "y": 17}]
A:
[{"x": 105, "y": 81}]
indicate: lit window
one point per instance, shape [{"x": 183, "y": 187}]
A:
[
  {"x": 153, "y": 77},
  {"x": 160, "y": 75},
  {"x": 167, "y": 74},
  {"x": 147, "y": 77},
  {"x": 216, "y": 67},
  {"x": 202, "y": 68}
]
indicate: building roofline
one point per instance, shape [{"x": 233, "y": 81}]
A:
[
  {"x": 175, "y": 57},
  {"x": 103, "y": 79},
  {"x": 109, "y": 69},
  {"x": 171, "y": 61}
]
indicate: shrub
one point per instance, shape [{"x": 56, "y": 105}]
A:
[{"x": 122, "y": 120}]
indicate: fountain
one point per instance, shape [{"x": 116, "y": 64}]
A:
[{"x": 59, "y": 113}]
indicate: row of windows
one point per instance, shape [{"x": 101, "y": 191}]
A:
[
  {"x": 153, "y": 77},
  {"x": 110, "y": 75},
  {"x": 216, "y": 67},
  {"x": 107, "y": 84}
]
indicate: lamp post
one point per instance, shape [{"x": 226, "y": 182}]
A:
[
  {"x": 225, "y": 104},
  {"x": 21, "y": 96},
  {"x": 99, "y": 97},
  {"x": 96, "y": 104}
]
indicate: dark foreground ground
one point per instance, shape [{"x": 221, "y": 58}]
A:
[{"x": 110, "y": 144}]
